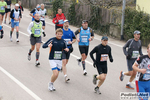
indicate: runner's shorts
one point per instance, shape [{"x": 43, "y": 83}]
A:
[
  {"x": 102, "y": 69},
  {"x": 143, "y": 86},
  {"x": 34, "y": 40},
  {"x": 43, "y": 22},
  {"x": 2, "y": 13},
  {"x": 130, "y": 63},
  {"x": 84, "y": 49},
  {"x": 66, "y": 55},
  {"x": 7, "y": 10},
  {"x": 56, "y": 27},
  {"x": 13, "y": 24},
  {"x": 56, "y": 64}
]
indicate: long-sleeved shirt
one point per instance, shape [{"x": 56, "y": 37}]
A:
[
  {"x": 58, "y": 45},
  {"x": 102, "y": 53},
  {"x": 59, "y": 19},
  {"x": 30, "y": 27},
  {"x": 134, "y": 47}
]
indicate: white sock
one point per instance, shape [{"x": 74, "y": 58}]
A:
[
  {"x": 128, "y": 82},
  {"x": 65, "y": 75},
  {"x": 123, "y": 73}
]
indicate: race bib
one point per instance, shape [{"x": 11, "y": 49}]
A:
[
  {"x": 37, "y": 31},
  {"x": 104, "y": 57},
  {"x": 147, "y": 75},
  {"x": 61, "y": 21},
  {"x": 84, "y": 38},
  {"x": 2, "y": 8},
  {"x": 67, "y": 40},
  {"x": 57, "y": 54},
  {"x": 135, "y": 54},
  {"x": 8, "y": 6}
]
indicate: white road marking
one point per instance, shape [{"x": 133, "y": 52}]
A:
[{"x": 20, "y": 84}]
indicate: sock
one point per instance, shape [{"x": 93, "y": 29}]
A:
[
  {"x": 83, "y": 64},
  {"x": 97, "y": 87},
  {"x": 10, "y": 33},
  {"x": 30, "y": 51},
  {"x": 123, "y": 73},
  {"x": 17, "y": 35},
  {"x": 65, "y": 75},
  {"x": 37, "y": 56},
  {"x": 128, "y": 82}
]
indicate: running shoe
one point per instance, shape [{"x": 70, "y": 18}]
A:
[
  {"x": 94, "y": 79},
  {"x": 50, "y": 86},
  {"x": 97, "y": 90},
  {"x": 37, "y": 63},
  {"x": 84, "y": 72},
  {"x": 29, "y": 57},
  {"x": 11, "y": 39},
  {"x": 121, "y": 76},
  {"x": 79, "y": 62},
  {"x": 129, "y": 86},
  {"x": 17, "y": 40},
  {"x": 66, "y": 79}
]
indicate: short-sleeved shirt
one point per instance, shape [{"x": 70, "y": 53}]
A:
[
  {"x": 143, "y": 63},
  {"x": 2, "y": 8},
  {"x": 8, "y": 4}
]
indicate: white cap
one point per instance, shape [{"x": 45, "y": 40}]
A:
[
  {"x": 17, "y": 4},
  {"x": 66, "y": 21}
]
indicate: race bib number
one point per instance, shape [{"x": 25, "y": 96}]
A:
[
  {"x": 61, "y": 21},
  {"x": 104, "y": 57},
  {"x": 8, "y": 6},
  {"x": 135, "y": 54},
  {"x": 67, "y": 40},
  {"x": 57, "y": 54},
  {"x": 147, "y": 75},
  {"x": 37, "y": 31},
  {"x": 2, "y": 8},
  {"x": 84, "y": 38}
]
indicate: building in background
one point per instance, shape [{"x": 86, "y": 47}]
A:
[{"x": 143, "y": 5}]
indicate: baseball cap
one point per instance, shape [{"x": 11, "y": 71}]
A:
[
  {"x": 104, "y": 38},
  {"x": 17, "y": 4},
  {"x": 66, "y": 21},
  {"x": 84, "y": 21},
  {"x": 137, "y": 32}
]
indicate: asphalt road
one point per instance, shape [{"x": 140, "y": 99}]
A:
[{"x": 21, "y": 80}]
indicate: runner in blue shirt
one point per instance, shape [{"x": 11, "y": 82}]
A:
[{"x": 70, "y": 38}]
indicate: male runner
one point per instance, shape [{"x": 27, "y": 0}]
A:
[
  {"x": 103, "y": 51},
  {"x": 86, "y": 35},
  {"x": 134, "y": 50},
  {"x": 70, "y": 38},
  {"x": 35, "y": 31},
  {"x": 56, "y": 45},
  {"x": 20, "y": 8},
  {"x": 3, "y": 5},
  {"x": 15, "y": 15},
  {"x": 8, "y": 10},
  {"x": 36, "y": 10}
]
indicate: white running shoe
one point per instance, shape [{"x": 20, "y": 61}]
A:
[
  {"x": 37, "y": 63},
  {"x": 29, "y": 57},
  {"x": 66, "y": 79},
  {"x": 17, "y": 40},
  {"x": 51, "y": 87},
  {"x": 79, "y": 62},
  {"x": 11, "y": 39},
  {"x": 84, "y": 72}
]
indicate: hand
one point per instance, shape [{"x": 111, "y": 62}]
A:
[
  {"x": 50, "y": 45},
  {"x": 32, "y": 35},
  {"x": 143, "y": 71},
  {"x": 1, "y": 36},
  {"x": 111, "y": 60},
  {"x": 15, "y": 19},
  {"x": 44, "y": 34},
  {"x": 66, "y": 49},
  {"x": 94, "y": 64},
  {"x": 90, "y": 39},
  {"x": 69, "y": 42},
  {"x": 78, "y": 39},
  {"x": 128, "y": 57}
]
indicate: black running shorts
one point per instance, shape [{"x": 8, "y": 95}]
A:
[
  {"x": 84, "y": 49},
  {"x": 34, "y": 40},
  {"x": 102, "y": 69}
]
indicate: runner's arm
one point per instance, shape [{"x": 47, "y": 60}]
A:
[
  {"x": 29, "y": 28},
  {"x": 140, "y": 51},
  {"x": 92, "y": 34},
  {"x": 20, "y": 14},
  {"x": 45, "y": 45},
  {"x": 92, "y": 52},
  {"x": 74, "y": 38},
  {"x": 54, "y": 20},
  {"x": 76, "y": 33},
  {"x": 11, "y": 14},
  {"x": 125, "y": 46},
  {"x": 31, "y": 13},
  {"x": 110, "y": 56}
]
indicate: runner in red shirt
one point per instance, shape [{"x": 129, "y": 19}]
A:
[{"x": 59, "y": 18}]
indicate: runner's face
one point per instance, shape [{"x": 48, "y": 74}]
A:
[
  {"x": 137, "y": 36},
  {"x": 59, "y": 11},
  {"x": 37, "y": 16},
  {"x": 148, "y": 51},
  {"x": 59, "y": 35},
  {"x": 20, "y": 3},
  {"x": 85, "y": 25},
  {"x": 16, "y": 7},
  {"x": 66, "y": 25},
  {"x": 42, "y": 7},
  {"x": 104, "y": 42}
]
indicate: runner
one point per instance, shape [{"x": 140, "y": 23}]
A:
[
  {"x": 134, "y": 49},
  {"x": 58, "y": 20},
  {"x": 15, "y": 15},
  {"x": 35, "y": 30},
  {"x": 8, "y": 10},
  {"x": 3, "y": 5},
  {"x": 2, "y": 32},
  {"x": 70, "y": 38},
  {"x": 43, "y": 15},
  {"x": 102, "y": 52},
  {"x": 86, "y": 35},
  {"x": 35, "y": 11},
  {"x": 142, "y": 66},
  {"x": 56, "y": 45},
  {"x": 20, "y": 8}
]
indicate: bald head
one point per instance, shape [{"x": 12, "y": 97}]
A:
[{"x": 37, "y": 16}]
